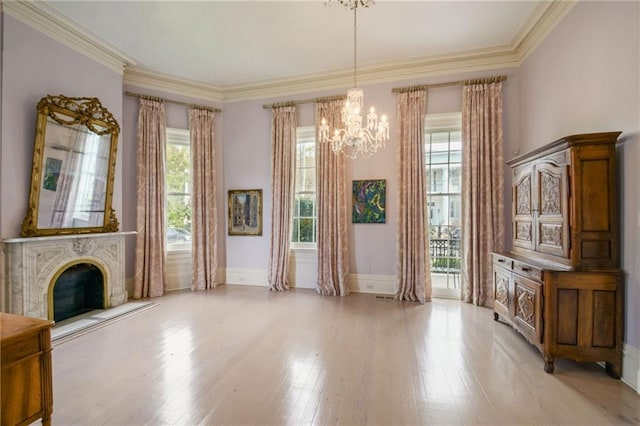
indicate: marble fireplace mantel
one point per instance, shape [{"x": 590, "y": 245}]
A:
[{"x": 32, "y": 265}]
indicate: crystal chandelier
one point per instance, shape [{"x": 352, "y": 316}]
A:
[{"x": 353, "y": 139}]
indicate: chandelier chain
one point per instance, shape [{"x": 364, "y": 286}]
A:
[{"x": 355, "y": 45}]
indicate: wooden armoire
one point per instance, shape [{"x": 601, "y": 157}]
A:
[{"x": 561, "y": 285}]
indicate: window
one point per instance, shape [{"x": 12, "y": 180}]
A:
[
  {"x": 443, "y": 155},
  {"x": 178, "y": 187},
  {"x": 304, "y": 209}
]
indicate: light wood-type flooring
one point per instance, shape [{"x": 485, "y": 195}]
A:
[{"x": 242, "y": 355}]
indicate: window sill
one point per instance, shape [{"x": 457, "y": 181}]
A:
[{"x": 303, "y": 249}]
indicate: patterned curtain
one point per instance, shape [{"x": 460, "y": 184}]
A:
[
  {"x": 414, "y": 271},
  {"x": 150, "y": 278},
  {"x": 333, "y": 255},
  {"x": 482, "y": 186},
  {"x": 283, "y": 158},
  {"x": 204, "y": 224}
]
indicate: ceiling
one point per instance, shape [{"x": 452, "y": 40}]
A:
[{"x": 231, "y": 43}]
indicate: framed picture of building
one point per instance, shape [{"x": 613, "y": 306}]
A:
[{"x": 245, "y": 212}]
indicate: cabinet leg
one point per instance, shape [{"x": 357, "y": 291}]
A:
[
  {"x": 614, "y": 369},
  {"x": 549, "y": 367},
  {"x": 496, "y": 317}
]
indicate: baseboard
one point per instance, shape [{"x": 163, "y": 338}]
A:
[
  {"x": 631, "y": 367},
  {"x": 246, "y": 276},
  {"x": 373, "y": 284}
]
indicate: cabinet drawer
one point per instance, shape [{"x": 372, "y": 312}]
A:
[
  {"x": 527, "y": 271},
  {"x": 19, "y": 348},
  {"x": 502, "y": 261}
]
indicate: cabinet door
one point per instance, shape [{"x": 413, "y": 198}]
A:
[
  {"x": 527, "y": 305},
  {"x": 501, "y": 284},
  {"x": 552, "y": 224},
  {"x": 523, "y": 209}
]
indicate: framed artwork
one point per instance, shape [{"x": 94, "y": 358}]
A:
[
  {"x": 245, "y": 212},
  {"x": 369, "y": 198},
  {"x": 52, "y": 167}
]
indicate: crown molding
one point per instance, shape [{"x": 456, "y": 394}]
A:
[
  {"x": 139, "y": 77},
  {"x": 477, "y": 60},
  {"x": 542, "y": 21},
  {"x": 50, "y": 22}
]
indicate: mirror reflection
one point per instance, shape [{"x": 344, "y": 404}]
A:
[{"x": 74, "y": 184}]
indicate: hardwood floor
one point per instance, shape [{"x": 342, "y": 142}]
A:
[{"x": 243, "y": 356}]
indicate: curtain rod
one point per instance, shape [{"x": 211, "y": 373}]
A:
[
  {"x": 487, "y": 80},
  {"x": 304, "y": 101},
  {"x": 155, "y": 98}
]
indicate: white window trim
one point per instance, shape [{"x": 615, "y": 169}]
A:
[
  {"x": 180, "y": 136},
  {"x": 305, "y": 134},
  {"x": 444, "y": 122}
]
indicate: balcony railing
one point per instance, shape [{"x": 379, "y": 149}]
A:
[{"x": 445, "y": 255}]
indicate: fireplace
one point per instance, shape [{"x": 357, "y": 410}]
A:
[
  {"x": 34, "y": 265},
  {"x": 78, "y": 289}
]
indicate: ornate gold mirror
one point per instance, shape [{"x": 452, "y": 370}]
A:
[{"x": 74, "y": 161}]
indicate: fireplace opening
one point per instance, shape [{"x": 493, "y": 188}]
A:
[{"x": 79, "y": 289}]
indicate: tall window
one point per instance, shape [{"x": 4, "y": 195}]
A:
[
  {"x": 443, "y": 155},
  {"x": 178, "y": 184},
  {"x": 304, "y": 209}
]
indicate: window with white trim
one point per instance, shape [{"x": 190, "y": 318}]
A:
[
  {"x": 303, "y": 233},
  {"x": 443, "y": 160},
  {"x": 178, "y": 188}
]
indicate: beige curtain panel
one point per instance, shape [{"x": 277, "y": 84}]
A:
[
  {"x": 482, "y": 189},
  {"x": 283, "y": 157},
  {"x": 150, "y": 278},
  {"x": 333, "y": 255},
  {"x": 204, "y": 223},
  {"x": 414, "y": 272}
]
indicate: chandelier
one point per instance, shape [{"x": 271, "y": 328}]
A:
[{"x": 353, "y": 139}]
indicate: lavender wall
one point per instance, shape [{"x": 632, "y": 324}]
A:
[
  {"x": 34, "y": 66},
  {"x": 372, "y": 248},
  {"x": 585, "y": 78}
]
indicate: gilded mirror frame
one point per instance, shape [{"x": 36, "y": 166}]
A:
[{"x": 73, "y": 116}]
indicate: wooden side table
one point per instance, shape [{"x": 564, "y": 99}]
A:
[{"x": 25, "y": 357}]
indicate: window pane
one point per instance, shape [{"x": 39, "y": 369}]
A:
[
  {"x": 455, "y": 136},
  {"x": 178, "y": 168},
  {"x": 307, "y": 206},
  {"x": 307, "y": 231},
  {"x": 295, "y": 231},
  {"x": 455, "y": 178},
  {"x": 308, "y": 183},
  {"x": 179, "y": 212},
  {"x": 439, "y": 157}
]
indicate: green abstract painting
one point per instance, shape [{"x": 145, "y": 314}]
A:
[{"x": 369, "y": 197}]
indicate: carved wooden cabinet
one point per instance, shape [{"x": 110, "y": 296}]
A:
[{"x": 561, "y": 286}]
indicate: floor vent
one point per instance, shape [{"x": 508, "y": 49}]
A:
[{"x": 385, "y": 298}]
